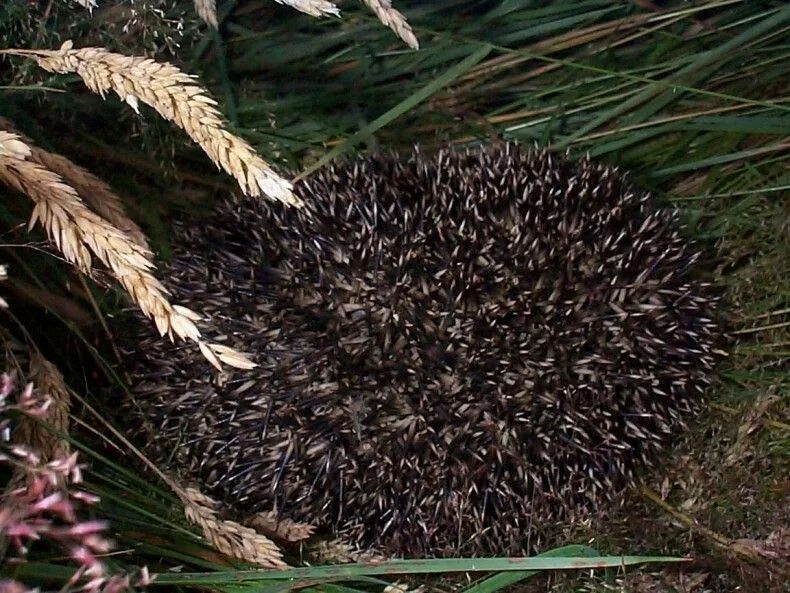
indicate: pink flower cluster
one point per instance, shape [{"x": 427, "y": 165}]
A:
[{"x": 45, "y": 508}]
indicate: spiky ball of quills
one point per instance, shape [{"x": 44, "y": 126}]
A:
[{"x": 452, "y": 350}]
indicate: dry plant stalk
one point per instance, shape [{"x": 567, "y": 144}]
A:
[
  {"x": 285, "y": 529},
  {"x": 78, "y": 231},
  {"x": 95, "y": 192},
  {"x": 393, "y": 19},
  {"x": 207, "y": 10},
  {"x": 317, "y": 8},
  {"x": 229, "y": 537},
  {"x": 176, "y": 97}
]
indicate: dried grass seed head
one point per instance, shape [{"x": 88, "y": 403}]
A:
[
  {"x": 177, "y": 98},
  {"x": 80, "y": 234}
]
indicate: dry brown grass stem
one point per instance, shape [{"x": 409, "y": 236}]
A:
[
  {"x": 176, "y": 97},
  {"x": 79, "y": 232},
  {"x": 229, "y": 537},
  {"x": 393, "y": 19},
  {"x": 315, "y": 8},
  {"x": 95, "y": 192},
  {"x": 269, "y": 523},
  {"x": 207, "y": 10}
]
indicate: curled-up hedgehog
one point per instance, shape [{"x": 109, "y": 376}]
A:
[{"x": 451, "y": 349}]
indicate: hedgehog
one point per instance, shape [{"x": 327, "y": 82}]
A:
[{"x": 452, "y": 349}]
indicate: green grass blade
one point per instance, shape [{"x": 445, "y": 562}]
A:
[
  {"x": 351, "y": 571},
  {"x": 403, "y": 107},
  {"x": 505, "y": 579},
  {"x": 687, "y": 76},
  {"x": 49, "y": 572},
  {"x": 721, "y": 159}
]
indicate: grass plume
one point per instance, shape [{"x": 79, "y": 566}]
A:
[
  {"x": 80, "y": 233},
  {"x": 393, "y": 19},
  {"x": 95, "y": 192},
  {"x": 176, "y": 97},
  {"x": 207, "y": 10},
  {"x": 229, "y": 537},
  {"x": 285, "y": 529},
  {"x": 317, "y": 8}
]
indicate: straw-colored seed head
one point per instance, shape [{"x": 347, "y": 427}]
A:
[
  {"x": 81, "y": 234},
  {"x": 317, "y": 8},
  {"x": 207, "y": 10},
  {"x": 95, "y": 192},
  {"x": 283, "y": 528},
  {"x": 229, "y": 537},
  {"x": 11, "y": 145},
  {"x": 393, "y": 19},
  {"x": 177, "y": 98}
]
